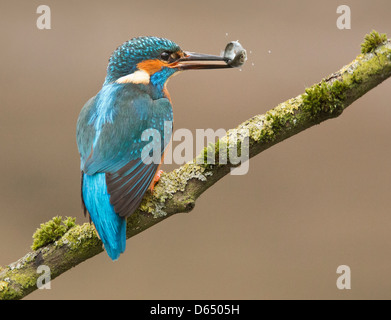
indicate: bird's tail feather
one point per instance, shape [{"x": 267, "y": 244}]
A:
[{"x": 110, "y": 227}]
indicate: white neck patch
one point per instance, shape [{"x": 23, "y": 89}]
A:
[{"x": 137, "y": 77}]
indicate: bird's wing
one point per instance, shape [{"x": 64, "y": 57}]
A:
[{"x": 110, "y": 140}]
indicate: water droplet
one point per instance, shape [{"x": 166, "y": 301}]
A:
[
  {"x": 269, "y": 51},
  {"x": 226, "y": 34}
]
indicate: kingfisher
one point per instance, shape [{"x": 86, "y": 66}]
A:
[{"x": 115, "y": 172}]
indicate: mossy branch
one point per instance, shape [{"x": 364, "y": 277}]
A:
[{"x": 61, "y": 244}]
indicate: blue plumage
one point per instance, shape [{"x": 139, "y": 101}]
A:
[
  {"x": 110, "y": 227},
  {"x": 122, "y": 127},
  {"x": 110, "y": 128},
  {"x": 159, "y": 79}
]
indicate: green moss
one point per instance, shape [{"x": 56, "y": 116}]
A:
[
  {"x": 324, "y": 98},
  {"x": 79, "y": 237},
  {"x": 208, "y": 157},
  {"x": 265, "y": 128},
  {"x": 218, "y": 154},
  {"x": 373, "y": 64},
  {"x": 278, "y": 119},
  {"x": 51, "y": 231},
  {"x": 372, "y": 41},
  {"x": 14, "y": 282},
  {"x": 321, "y": 99},
  {"x": 25, "y": 279},
  {"x": 7, "y": 292},
  {"x": 81, "y": 243}
]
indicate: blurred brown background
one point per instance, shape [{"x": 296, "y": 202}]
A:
[{"x": 316, "y": 201}]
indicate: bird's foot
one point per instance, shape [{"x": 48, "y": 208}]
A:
[{"x": 155, "y": 180}]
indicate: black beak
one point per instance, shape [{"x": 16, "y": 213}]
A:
[{"x": 193, "y": 60}]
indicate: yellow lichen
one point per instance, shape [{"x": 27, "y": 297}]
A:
[
  {"x": 79, "y": 236},
  {"x": 171, "y": 183},
  {"x": 3, "y": 285}
]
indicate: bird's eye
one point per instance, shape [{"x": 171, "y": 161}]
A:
[{"x": 165, "y": 56}]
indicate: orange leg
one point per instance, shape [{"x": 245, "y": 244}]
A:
[
  {"x": 158, "y": 173},
  {"x": 155, "y": 179}
]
